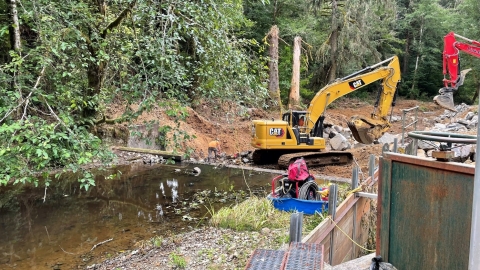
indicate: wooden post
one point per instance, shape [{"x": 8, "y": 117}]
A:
[
  {"x": 294, "y": 97},
  {"x": 273, "y": 83}
]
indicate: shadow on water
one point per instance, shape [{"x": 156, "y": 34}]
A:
[{"x": 65, "y": 230}]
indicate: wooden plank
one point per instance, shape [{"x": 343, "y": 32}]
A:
[
  {"x": 431, "y": 163},
  {"x": 326, "y": 245},
  {"x": 319, "y": 177},
  {"x": 342, "y": 243},
  {"x": 314, "y": 235},
  {"x": 321, "y": 233},
  {"x": 324, "y": 227},
  {"x": 165, "y": 154},
  {"x": 363, "y": 212}
]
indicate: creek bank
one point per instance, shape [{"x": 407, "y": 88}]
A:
[{"x": 200, "y": 249}]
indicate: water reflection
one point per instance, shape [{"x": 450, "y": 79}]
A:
[
  {"x": 173, "y": 185},
  {"x": 143, "y": 202}
]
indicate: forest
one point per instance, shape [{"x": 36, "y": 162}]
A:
[{"x": 62, "y": 63}]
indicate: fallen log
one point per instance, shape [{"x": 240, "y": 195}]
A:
[{"x": 164, "y": 154}]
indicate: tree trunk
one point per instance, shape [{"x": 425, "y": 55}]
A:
[
  {"x": 332, "y": 73},
  {"x": 475, "y": 96},
  {"x": 15, "y": 44},
  {"x": 273, "y": 84},
  {"x": 275, "y": 12},
  {"x": 96, "y": 68},
  {"x": 95, "y": 74},
  {"x": 294, "y": 97},
  {"x": 14, "y": 27},
  {"x": 416, "y": 63},
  {"x": 405, "y": 55}
]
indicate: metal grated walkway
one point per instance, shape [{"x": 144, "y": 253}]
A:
[{"x": 299, "y": 256}]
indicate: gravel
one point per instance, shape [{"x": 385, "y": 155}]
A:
[{"x": 205, "y": 248}]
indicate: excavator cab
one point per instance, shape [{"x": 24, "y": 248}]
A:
[{"x": 295, "y": 118}]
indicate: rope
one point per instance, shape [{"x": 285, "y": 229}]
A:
[
  {"x": 283, "y": 186},
  {"x": 369, "y": 250},
  {"x": 354, "y": 190}
]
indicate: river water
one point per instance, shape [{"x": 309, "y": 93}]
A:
[{"x": 65, "y": 227}]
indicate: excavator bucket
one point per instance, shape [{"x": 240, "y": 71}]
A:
[
  {"x": 445, "y": 99},
  {"x": 361, "y": 133}
]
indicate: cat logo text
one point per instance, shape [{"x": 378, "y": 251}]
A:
[
  {"x": 356, "y": 84},
  {"x": 278, "y": 132}
]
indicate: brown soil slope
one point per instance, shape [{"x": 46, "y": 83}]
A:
[{"x": 232, "y": 126}]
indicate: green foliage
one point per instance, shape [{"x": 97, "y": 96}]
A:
[
  {"x": 252, "y": 214},
  {"x": 423, "y": 29},
  {"x": 311, "y": 222},
  {"x": 33, "y": 146},
  {"x": 177, "y": 260},
  {"x": 157, "y": 241},
  {"x": 77, "y": 57},
  {"x": 255, "y": 213}
]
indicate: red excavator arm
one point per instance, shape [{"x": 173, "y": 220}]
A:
[
  {"x": 451, "y": 66},
  {"x": 450, "y": 57}
]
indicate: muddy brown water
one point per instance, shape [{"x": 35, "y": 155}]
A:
[{"x": 63, "y": 227}]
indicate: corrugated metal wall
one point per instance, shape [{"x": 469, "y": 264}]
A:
[{"x": 424, "y": 215}]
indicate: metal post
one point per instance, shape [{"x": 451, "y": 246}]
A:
[
  {"x": 415, "y": 141},
  {"x": 332, "y": 209},
  {"x": 474, "y": 259},
  {"x": 332, "y": 200},
  {"x": 395, "y": 145},
  {"x": 371, "y": 166},
  {"x": 296, "y": 223},
  {"x": 403, "y": 127},
  {"x": 354, "y": 236},
  {"x": 355, "y": 177},
  {"x": 385, "y": 148}
]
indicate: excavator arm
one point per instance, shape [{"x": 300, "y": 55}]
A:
[
  {"x": 364, "y": 129},
  {"x": 453, "y": 77}
]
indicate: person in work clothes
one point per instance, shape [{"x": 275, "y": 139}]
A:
[{"x": 213, "y": 148}]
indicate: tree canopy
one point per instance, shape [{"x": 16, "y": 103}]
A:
[{"x": 64, "y": 62}]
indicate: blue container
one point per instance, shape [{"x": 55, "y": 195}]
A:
[{"x": 308, "y": 207}]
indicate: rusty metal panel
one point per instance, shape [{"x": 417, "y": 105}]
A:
[
  {"x": 383, "y": 207},
  {"x": 426, "y": 213}
]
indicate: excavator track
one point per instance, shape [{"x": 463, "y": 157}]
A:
[
  {"x": 317, "y": 159},
  {"x": 264, "y": 157}
]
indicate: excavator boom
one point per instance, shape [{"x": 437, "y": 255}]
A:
[
  {"x": 451, "y": 67},
  {"x": 365, "y": 129}
]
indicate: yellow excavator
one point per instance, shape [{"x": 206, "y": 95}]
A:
[{"x": 300, "y": 133}]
